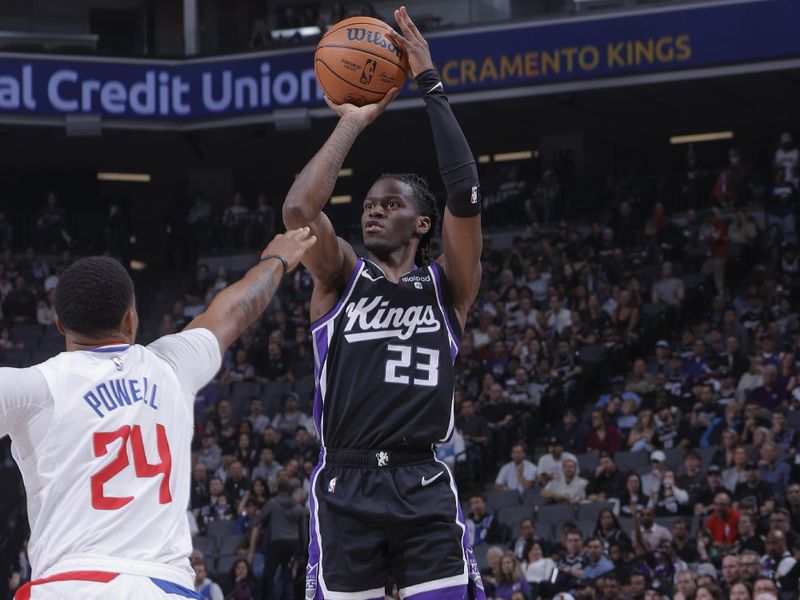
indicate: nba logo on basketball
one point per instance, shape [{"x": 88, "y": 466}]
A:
[{"x": 369, "y": 71}]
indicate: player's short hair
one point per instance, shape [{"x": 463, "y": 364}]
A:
[
  {"x": 426, "y": 206},
  {"x": 93, "y": 295}
]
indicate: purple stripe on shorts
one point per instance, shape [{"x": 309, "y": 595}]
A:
[
  {"x": 313, "y": 591},
  {"x": 348, "y": 287},
  {"x": 458, "y": 592}
]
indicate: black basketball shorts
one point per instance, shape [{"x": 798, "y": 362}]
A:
[{"x": 379, "y": 514}]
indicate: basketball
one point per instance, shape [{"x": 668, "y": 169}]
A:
[{"x": 357, "y": 63}]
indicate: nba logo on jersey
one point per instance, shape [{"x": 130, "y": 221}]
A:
[
  {"x": 332, "y": 485},
  {"x": 474, "y": 198}
]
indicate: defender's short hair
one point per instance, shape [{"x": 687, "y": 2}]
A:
[{"x": 93, "y": 295}]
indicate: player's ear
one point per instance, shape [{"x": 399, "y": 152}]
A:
[
  {"x": 423, "y": 225},
  {"x": 130, "y": 322},
  {"x": 60, "y": 326}
]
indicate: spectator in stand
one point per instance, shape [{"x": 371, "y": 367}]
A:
[
  {"x": 203, "y": 585},
  {"x": 608, "y": 530},
  {"x": 282, "y": 517},
  {"x": 787, "y": 157},
  {"x": 669, "y": 500},
  {"x": 571, "y": 433},
  {"x": 510, "y": 579},
  {"x": 550, "y": 465},
  {"x": 258, "y": 420},
  {"x": 717, "y": 239},
  {"x": 792, "y": 504},
  {"x": 519, "y": 474},
  {"x": 240, "y": 584},
  {"x": 267, "y": 467},
  {"x": 482, "y": 526},
  {"x": 527, "y": 536},
  {"x": 706, "y": 497},
  {"x": 651, "y": 482},
  {"x": 633, "y": 498},
  {"x": 685, "y": 546},
  {"x": 597, "y": 564},
  {"x": 236, "y": 219},
  {"x": 236, "y": 483},
  {"x": 782, "y": 207},
  {"x": 290, "y": 418},
  {"x": 607, "y": 482},
  {"x": 756, "y": 491},
  {"x": 647, "y": 534},
  {"x": 538, "y": 567},
  {"x": 572, "y": 560},
  {"x": 765, "y": 589},
  {"x": 640, "y": 438},
  {"x": 570, "y": 489},
  {"x": 773, "y": 471},
  {"x": 210, "y": 453},
  {"x": 778, "y": 562},
  {"x": 603, "y": 437},
  {"x": 750, "y": 564},
  {"x": 669, "y": 291},
  {"x": 50, "y": 225},
  {"x": 771, "y": 394},
  {"x": 20, "y": 303},
  {"x": 723, "y": 524}
]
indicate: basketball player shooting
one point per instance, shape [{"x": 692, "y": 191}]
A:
[
  {"x": 386, "y": 330},
  {"x": 102, "y": 432}
]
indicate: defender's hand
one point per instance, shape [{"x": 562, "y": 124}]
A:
[
  {"x": 291, "y": 245},
  {"x": 412, "y": 43},
  {"x": 363, "y": 115}
]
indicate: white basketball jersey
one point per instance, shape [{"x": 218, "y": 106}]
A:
[{"x": 108, "y": 484}]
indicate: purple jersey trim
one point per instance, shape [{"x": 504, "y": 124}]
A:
[
  {"x": 437, "y": 282},
  {"x": 345, "y": 294}
]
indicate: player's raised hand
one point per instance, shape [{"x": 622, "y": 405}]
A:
[
  {"x": 411, "y": 42},
  {"x": 363, "y": 115},
  {"x": 291, "y": 246}
]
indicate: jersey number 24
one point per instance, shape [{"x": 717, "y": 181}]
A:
[{"x": 127, "y": 434}]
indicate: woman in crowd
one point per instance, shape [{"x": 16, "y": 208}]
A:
[
  {"x": 609, "y": 531},
  {"x": 670, "y": 500},
  {"x": 510, "y": 578},
  {"x": 632, "y": 499},
  {"x": 640, "y": 438},
  {"x": 241, "y": 584},
  {"x": 537, "y": 567}
]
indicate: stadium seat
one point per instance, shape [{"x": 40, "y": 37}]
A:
[
  {"x": 630, "y": 461},
  {"x": 556, "y": 513},
  {"x": 219, "y": 529},
  {"x": 626, "y": 523},
  {"x": 15, "y": 357},
  {"x": 245, "y": 389},
  {"x": 706, "y": 454},
  {"x": 587, "y": 528},
  {"x": 588, "y": 461},
  {"x": 675, "y": 457},
  {"x": 794, "y": 419},
  {"x": 230, "y": 543},
  {"x": 513, "y": 516},
  {"x": 304, "y": 387},
  {"x": 533, "y": 497},
  {"x": 206, "y": 544},
  {"x": 225, "y": 564},
  {"x": 497, "y": 499},
  {"x": 589, "y": 511},
  {"x": 480, "y": 555}
]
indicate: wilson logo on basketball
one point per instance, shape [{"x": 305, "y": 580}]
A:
[{"x": 360, "y": 34}]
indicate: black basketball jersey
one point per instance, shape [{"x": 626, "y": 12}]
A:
[{"x": 384, "y": 361}]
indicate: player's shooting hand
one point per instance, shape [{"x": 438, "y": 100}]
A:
[
  {"x": 363, "y": 115},
  {"x": 291, "y": 245},
  {"x": 411, "y": 43}
]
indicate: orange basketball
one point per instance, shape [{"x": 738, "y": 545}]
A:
[{"x": 356, "y": 63}]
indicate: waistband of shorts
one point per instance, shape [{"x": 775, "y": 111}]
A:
[{"x": 349, "y": 457}]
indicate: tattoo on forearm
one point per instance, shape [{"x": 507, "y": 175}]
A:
[
  {"x": 256, "y": 298},
  {"x": 316, "y": 181}
]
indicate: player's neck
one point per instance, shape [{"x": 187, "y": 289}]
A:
[
  {"x": 394, "y": 264},
  {"x": 81, "y": 342}
]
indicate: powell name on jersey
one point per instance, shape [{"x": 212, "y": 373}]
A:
[{"x": 384, "y": 361}]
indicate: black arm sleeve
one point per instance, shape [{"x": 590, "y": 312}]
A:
[{"x": 456, "y": 163}]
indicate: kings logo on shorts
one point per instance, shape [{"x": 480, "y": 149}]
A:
[{"x": 371, "y": 319}]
